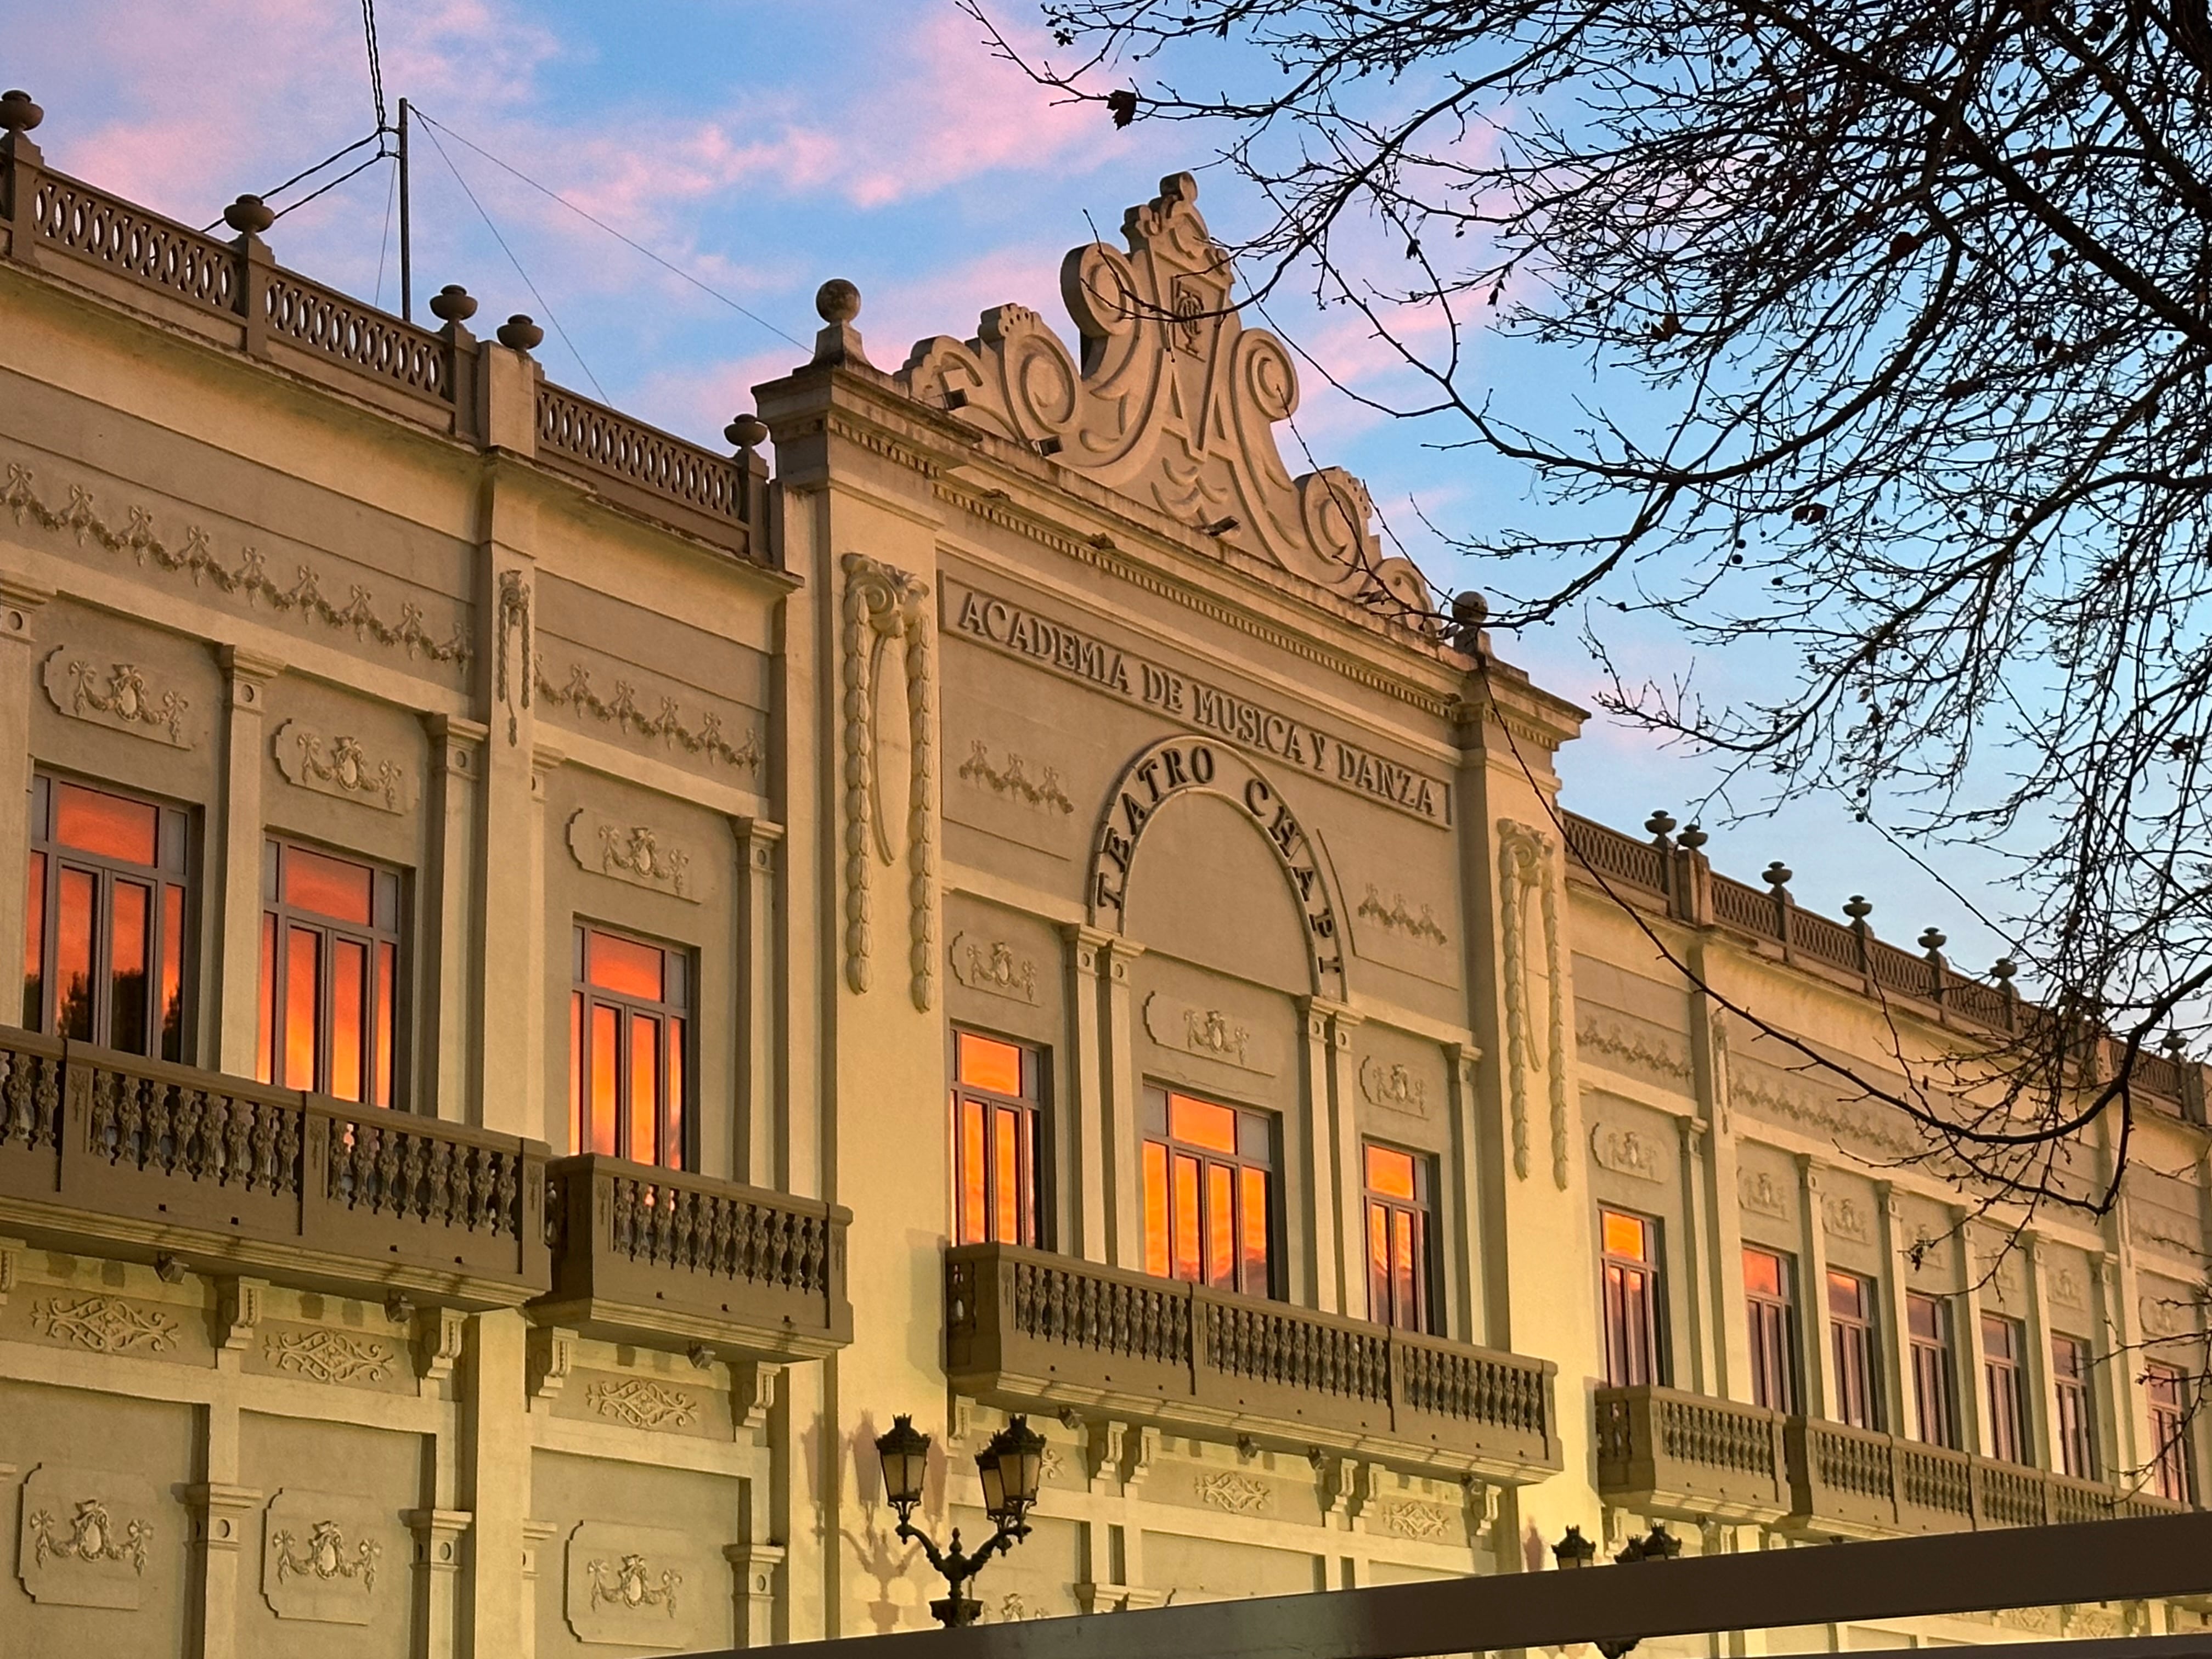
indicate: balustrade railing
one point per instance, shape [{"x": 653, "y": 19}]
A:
[
  {"x": 1689, "y": 1456},
  {"x": 236, "y": 295},
  {"x": 642, "y": 1253},
  {"x": 1028, "y": 1328},
  {"x": 113, "y": 1153}
]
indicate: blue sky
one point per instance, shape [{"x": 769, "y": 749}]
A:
[{"x": 764, "y": 146}]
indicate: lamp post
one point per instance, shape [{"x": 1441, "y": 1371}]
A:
[
  {"x": 1573, "y": 1550},
  {"x": 1011, "y": 1465}
]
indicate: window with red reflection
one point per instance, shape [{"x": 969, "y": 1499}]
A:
[
  {"x": 997, "y": 1140},
  {"x": 1209, "y": 1193},
  {"x": 104, "y": 937},
  {"x": 630, "y": 1022},
  {"x": 1629, "y": 1290},
  {"x": 330, "y": 982},
  {"x": 1398, "y": 1285}
]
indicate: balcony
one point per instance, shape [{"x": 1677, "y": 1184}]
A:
[
  {"x": 1690, "y": 1458},
  {"x": 1026, "y": 1330},
  {"x": 664, "y": 1258},
  {"x": 1847, "y": 1483},
  {"x": 112, "y": 1155}
]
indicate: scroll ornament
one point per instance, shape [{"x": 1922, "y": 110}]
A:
[
  {"x": 115, "y": 696},
  {"x": 1525, "y": 868},
  {"x": 884, "y": 608},
  {"x": 1176, "y": 403}
]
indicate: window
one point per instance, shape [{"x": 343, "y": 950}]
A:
[
  {"x": 1927, "y": 1329},
  {"x": 330, "y": 974},
  {"x": 1767, "y": 1292},
  {"x": 1851, "y": 1346},
  {"x": 2004, "y": 1383},
  {"x": 104, "y": 921},
  {"x": 1631, "y": 1249},
  {"x": 628, "y": 1020},
  {"x": 1398, "y": 1289},
  {"x": 1209, "y": 1193},
  {"x": 997, "y": 1088},
  {"x": 2076, "y": 1425},
  {"x": 2166, "y": 1391}
]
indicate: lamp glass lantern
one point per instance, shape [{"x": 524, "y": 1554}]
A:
[
  {"x": 904, "y": 1450},
  {"x": 1012, "y": 1467}
]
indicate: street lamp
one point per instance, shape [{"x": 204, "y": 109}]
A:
[
  {"x": 1011, "y": 1465},
  {"x": 1573, "y": 1550}
]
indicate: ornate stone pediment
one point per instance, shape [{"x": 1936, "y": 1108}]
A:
[{"x": 1174, "y": 403}]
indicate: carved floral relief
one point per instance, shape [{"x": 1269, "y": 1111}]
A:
[
  {"x": 116, "y": 695},
  {"x": 104, "y": 1324},
  {"x": 640, "y": 1586},
  {"x": 1398, "y": 918},
  {"x": 993, "y": 967},
  {"x": 885, "y": 608},
  {"x": 1762, "y": 1194},
  {"x": 1394, "y": 1085},
  {"x": 1624, "y": 1151},
  {"x": 638, "y": 854},
  {"x": 1013, "y": 779},
  {"x": 1210, "y": 1033},
  {"x": 1238, "y": 1494},
  {"x": 322, "y": 1560},
  {"x": 340, "y": 768},
  {"x": 87, "y": 1536}
]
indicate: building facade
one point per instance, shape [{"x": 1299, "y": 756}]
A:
[{"x": 569, "y": 978}]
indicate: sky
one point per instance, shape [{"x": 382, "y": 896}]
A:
[{"x": 763, "y": 146}]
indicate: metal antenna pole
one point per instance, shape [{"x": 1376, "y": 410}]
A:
[{"x": 406, "y": 229}]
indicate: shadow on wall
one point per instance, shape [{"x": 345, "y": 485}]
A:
[{"x": 878, "y": 1551}]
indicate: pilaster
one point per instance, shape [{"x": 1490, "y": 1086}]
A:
[
  {"x": 233, "y": 861},
  {"x": 508, "y": 1013},
  {"x": 1085, "y": 1111},
  {"x": 221, "y": 1520},
  {"x": 1707, "y": 1304},
  {"x": 1123, "y": 1097},
  {"x": 757, "y": 1570},
  {"x": 1312, "y": 1189},
  {"x": 2131, "y": 1439},
  {"x": 1966, "y": 1337},
  {"x": 494, "y": 1484},
  {"x": 1813, "y": 1249},
  {"x": 1730, "y": 1341},
  {"x": 2043, "y": 1447},
  {"x": 443, "y": 1070},
  {"x": 1470, "y": 1283},
  {"x": 435, "y": 1560},
  {"x": 1347, "y": 1176},
  {"x": 1899, "y": 1410},
  {"x": 20, "y": 602},
  {"x": 755, "y": 1155}
]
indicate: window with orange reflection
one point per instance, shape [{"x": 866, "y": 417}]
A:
[
  {"x": 1397, "y": 1227},
  {"x": 330, "y": 982},
  {"x": 628, "y": 1057},
  {"x": 104, "y": 940},
  {"x": 997, "y": 1140},
  {"x": 1770, "y": 1317},
  {"x": 1635, "y": 1352},
  {"x": 1209, "y": 1193}
]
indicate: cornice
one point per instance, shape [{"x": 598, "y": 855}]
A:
[{"x": 1103, "y": 553}]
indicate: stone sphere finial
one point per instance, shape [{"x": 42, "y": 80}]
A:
[
  {"x": 249, "y": 215},
  {"x": 1469, "y": 608},
  {"x": 2004, "y": 969},
  {"x": 838, "y": 301},
  {"x": 17, "y": 113},
  {"x": 1860, "y": 908},
  {"x": 519, "y": 333},
  {"x": 2173, "y": 1043},
  {"x": 1658, "y": 825},
  {"x": 747, "y": 432},
  {"x": 1932, "y": 939},
  {"x": 1779, "y": 874},
  {"x": 1692, "y": 837},
  {"x": 452, "y": 304}
]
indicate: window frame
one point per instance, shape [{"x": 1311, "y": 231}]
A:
[
  {"x": 2009, "y": 1431},
  {"x": 169, "y": 939},
  {"x": 281, "y": 919},
  {"x": 1160, "y": 1254},
  {"x": 2172, "y": 1459},
  {"x": 1772, "y": 1330},
  {"x": 1033, "y": 1192},
  {"x": 1934, "y": 1372},
  {"x": 584, "y": 996},
  {"x": 1855, "y": 1337},
  {"x": 2073, "y": 1388},
  {"x": 1651, "y": 1299},
  {"x": 1421, "y": 1213}
]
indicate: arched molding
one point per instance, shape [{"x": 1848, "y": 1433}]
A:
[{"x": 1184, "y": 765}]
